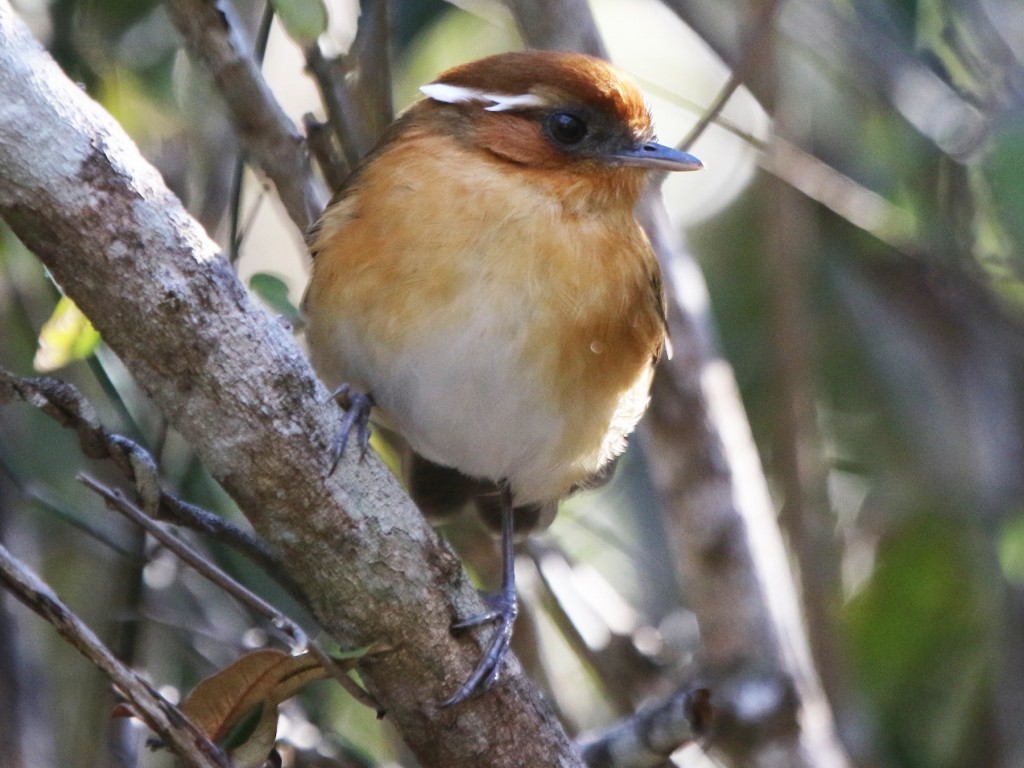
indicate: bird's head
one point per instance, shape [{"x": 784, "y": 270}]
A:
[{"x": 554, "y": 111}]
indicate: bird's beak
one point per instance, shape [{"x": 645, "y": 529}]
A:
[{"x": 658, "y": 156}]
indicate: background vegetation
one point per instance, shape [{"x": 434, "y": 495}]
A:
[{"x": 862, "y": 250}]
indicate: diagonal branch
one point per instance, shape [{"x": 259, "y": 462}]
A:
[
  {"x": 233, "y": 382},
  {"x": 300, "y": 641},
  {"x": 164, "y": 718},
  {"x": 356, "y": 86},
  {"x": 66, "y": 405}
]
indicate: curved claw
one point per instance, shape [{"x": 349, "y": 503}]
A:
[
  {"x": 503, "y": 609},
  {"x": 487, "y": 671},
  {"x": 357, "y": 415}
]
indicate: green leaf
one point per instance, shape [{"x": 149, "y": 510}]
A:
[
  {"x": 242, "y": 730},
  {"x": 66, "y": 336},
  {"x": 274, "y": 293},
  {"x": 356, "y": 653},
  {"x": 303, "y": 20}
]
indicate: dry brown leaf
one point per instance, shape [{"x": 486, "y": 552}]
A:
[
  {"x": 237, "y": 706},
  {"x": 221, "y": 699}
]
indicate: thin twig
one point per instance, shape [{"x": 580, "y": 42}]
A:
[
  {"x": 117, "y": 501},
  {"x": 751, "y": 54},
  {"x": 237, "y": 228},
  {"x": 66, "y": 405},
  {"x": 356, "y": 87},
  {"x": 341, "y": 113},
  {"x": 182, "y": 513},
  {"x": 26, "y": 491},
  {"x": 268, "y": 136},
  {"x": 326, "y": 150},
  {"x": 164, "y": 718},
  {"x": 860, "y": 206},
  {"x": 813, "y": 177}
]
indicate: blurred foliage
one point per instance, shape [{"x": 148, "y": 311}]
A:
[
  {"x": 304, "y": 20},
  {"x": 910, "y": 347},
  {"x": 274, "y": 293},
  {"x": 67, "y": 335}
]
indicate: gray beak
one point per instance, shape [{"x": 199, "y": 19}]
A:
[{"x": 658, "y": 156}]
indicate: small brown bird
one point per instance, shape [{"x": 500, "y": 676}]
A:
[{"x": 481, "y": 287}]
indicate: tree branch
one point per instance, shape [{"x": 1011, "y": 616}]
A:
[
  {"x": 646, "y": 739},
  {"x": 66, "y": 405},
  {"x": 267, "y": 134},
  {"x": 300, "y": 640},
  {"x": 723, "y": 527},
  {"x": 235, "y": 385},
  {"x": 356, "y": 87},
  {"x": 164, "y": 718}
]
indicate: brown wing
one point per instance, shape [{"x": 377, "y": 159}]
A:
[{"x": 390, "y": 135}]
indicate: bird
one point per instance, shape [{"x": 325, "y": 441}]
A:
[{"x": 482, "y": 293}]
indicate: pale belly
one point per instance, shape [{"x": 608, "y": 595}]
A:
[{"x": 474, "y": 399}]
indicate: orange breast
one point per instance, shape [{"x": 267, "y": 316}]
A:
[{"x": 435, "y": 236}]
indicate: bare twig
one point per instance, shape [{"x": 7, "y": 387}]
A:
[
  {"x": 818, "y": 181},
  {"x": 646, "y": 739},
  {"x": 356, "y": 87},
  {"x": 45, "y": 501},
  {"x": 117, "y": 501},
  {"x": 752, "y": 51},
  {"x": 66, "y": 405},
  {"x": 323, "y": 144},
  {"x": 839, "y": 193},
  {"x": 164, "y": 718},
  {"x": 341, "y": 112},
  {"x": 268, "y": 136},
  {"x": 180, "y": 512}
]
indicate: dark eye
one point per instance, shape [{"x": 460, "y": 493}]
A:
[{"x": 566, "y": 128}]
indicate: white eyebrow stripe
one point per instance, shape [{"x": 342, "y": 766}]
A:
[
  {"x": 523, "y": 101},
  {"x": 456, "y": 94},
  {"x": 450, "y": 94}
]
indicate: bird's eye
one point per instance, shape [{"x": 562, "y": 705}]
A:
[{"x": 566, "y": 128}]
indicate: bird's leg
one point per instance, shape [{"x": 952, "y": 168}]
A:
[
  {"x": 357, "y": 416},
  {"x": 503, "y": 609}
]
